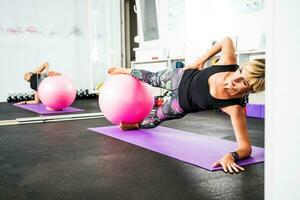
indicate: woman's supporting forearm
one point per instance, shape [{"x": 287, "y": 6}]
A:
[
  {"x": 244, "y": 152},
  {"x": 32, "y": 102}
]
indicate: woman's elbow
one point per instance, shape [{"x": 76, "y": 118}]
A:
[
  {"x": 227, "y": 39},
  {"x": 36, "y": 101},
  {"x": 248, "y": 151}
]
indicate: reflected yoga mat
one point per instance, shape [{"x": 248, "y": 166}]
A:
[
  {"x": 41, "y": 109},
  {"x": 189, "y": 147}
]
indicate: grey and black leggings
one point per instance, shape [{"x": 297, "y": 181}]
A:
[{"x": 168, "y": 79}]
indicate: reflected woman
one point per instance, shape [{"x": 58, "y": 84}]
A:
[{"x": 35, "y": 78}]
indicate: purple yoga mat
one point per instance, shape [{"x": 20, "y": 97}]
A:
[
  {"x": 40, "y": 108},
  {"x": 189, "y": 147}
]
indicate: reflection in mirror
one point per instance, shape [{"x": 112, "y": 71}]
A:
[
  {"x": 42, "y": 72},
  {"x": 74, "y": 42}
]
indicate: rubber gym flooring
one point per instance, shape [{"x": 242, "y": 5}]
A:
[{"x": 64, "y": 160}]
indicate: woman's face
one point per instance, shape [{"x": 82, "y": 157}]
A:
[
  {"x": 27, "y": 76},
  {"x": 238, "y": 81}
]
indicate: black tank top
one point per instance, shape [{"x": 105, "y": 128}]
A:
[
  {"x": 34, "y": 81},
  {"x": 194, "y": 92}
]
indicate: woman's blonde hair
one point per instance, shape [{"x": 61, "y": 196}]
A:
[{"x": 255, "y": 72}]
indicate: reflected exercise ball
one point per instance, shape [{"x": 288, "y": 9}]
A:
[{"x": 57, "y": 92}]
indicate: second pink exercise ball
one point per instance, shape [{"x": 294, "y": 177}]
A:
[
  {"x": 125, "y": 99},
  {"x": 57, "y": 92}
]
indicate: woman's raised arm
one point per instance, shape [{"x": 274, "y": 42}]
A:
[{"x": 225, "y": 46}]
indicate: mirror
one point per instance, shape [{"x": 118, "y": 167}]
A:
[{"x": 80, "y": 41}]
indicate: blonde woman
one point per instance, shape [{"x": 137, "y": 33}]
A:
[
  {"x": 35, "y": 78},
  {"x": 195, "y": 88}
]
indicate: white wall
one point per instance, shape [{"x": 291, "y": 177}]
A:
[
  {"x": 105, "y": 37},
  {"x": 65, "y": 37},
  {"x": 171, "y": 25},
  {"x": 208, "y": 20},
  {"x": 171, "y": 21},
  {"x": 282, "y": 94},
  {"x": 197, "y": 33}
]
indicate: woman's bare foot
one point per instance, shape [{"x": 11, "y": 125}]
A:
[
  {"x": 53, "y": 73},
  {"x": 52, "y": 109},
  {"x": 49, "y": 108},
  {"x": 118, "y": 70},
  {"x": 126, "y": 127}
]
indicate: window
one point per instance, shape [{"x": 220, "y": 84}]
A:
[{"x": 147, "y": 20}]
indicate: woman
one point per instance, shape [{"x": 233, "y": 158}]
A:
[
  {"x": 222, "y": 86},
  {"x": 35, "y": 78}
]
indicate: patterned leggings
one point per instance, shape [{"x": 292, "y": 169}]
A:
[{"x": 168, "y": 79}]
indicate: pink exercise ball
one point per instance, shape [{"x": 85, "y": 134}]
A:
[
  {"x": 125, "y": 99},
  {"x": 57, "y": 92}
]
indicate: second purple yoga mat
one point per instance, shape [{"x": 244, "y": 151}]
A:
[
  {"x": 189, "y": 147},
  {"x": 40, "y": 109}
]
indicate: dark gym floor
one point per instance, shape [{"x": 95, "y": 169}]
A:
[{"x": 64, "y": 160}]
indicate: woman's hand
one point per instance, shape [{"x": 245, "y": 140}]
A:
[
  {"x": 228, "y": 164},
  {"x": 118, "y": 70},
  {"x": 113, "y": 70}
]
